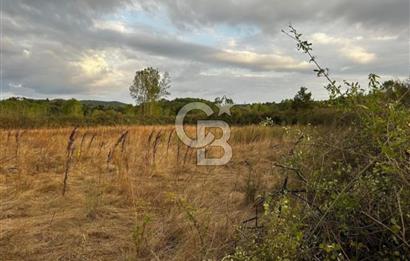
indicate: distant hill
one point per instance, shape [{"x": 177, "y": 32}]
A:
[{"x": 94, "y": 103}]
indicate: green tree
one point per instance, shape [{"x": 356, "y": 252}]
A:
[
  {"x": 397, "y": 90},
  {"x": 148, "y": 87},
  {"x": 73, "y": 108},
  {"x": 302, "y": 99}
]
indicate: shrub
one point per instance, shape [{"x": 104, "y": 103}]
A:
[{"x": 345, "y": 192}]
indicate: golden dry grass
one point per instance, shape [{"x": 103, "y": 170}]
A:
[{"x": 142, "y": 199}]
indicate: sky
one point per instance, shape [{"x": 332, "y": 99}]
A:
[{"x": 91, "y": 49}]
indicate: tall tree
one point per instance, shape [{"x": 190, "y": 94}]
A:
[
  {"x": 303, "y": 99},
  {"x": 149, "y": 86}
]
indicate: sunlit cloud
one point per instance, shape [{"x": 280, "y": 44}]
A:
[
  {"x": 94, "y": 64},
  {"x": 92, "y": 48},
  {"x": 118, "y": 26},
  {"x": 358, "y": 54},
  {"x": 349, "y": 48}
]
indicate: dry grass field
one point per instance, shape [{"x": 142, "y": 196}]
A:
[{"x": 132, "y": 193}]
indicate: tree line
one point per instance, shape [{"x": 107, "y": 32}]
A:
[{"x": 150, "y": 88}]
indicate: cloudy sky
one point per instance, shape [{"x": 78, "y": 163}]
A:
[{"x": 90, "y": 49}]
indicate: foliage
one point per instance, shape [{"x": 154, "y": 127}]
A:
[
  {"x": 345, "y": 192},
  {"x": 28, "y": 113},
  {"x": 149, "y": 86},
  {"x": 302, "y": 100}
]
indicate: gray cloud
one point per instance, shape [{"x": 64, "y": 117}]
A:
[
  {"x": 59, "y": 48},
  {"x": 270, "y": 15}
]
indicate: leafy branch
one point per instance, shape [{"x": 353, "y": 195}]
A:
[{"x": 320, "y": 71}]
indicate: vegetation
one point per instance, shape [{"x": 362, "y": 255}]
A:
[
  {"x": 131, "y": 193},
  {"x": 332, "y": 183},
  {"x": 29, "y": 113},
  {"x": 148, "y": 87},
  {"x": 344, "y": 194}
]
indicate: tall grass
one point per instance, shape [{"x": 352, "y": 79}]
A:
[{"x": 96, "y": 217}]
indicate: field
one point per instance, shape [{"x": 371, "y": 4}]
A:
[{"x": 132, "y": 193}]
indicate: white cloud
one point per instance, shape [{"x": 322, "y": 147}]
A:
[
  {"x": 386, "y": 37},
  {"x": 322, "y": 38},
  {"x": 102, "y": 70},
  {"x": 358, "y": 54},
  {"x": 261, "y": 61},
  {"x": 111, "y": 25},
  {"x": 232, "y": 43},
  {"x": 347, "y": 47},
  {"x": 93, "y": 64},
  {"x": 26, "y": 53},
  {"x": 15, "y": 85},
  {"x": 93, "y": 48}
]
